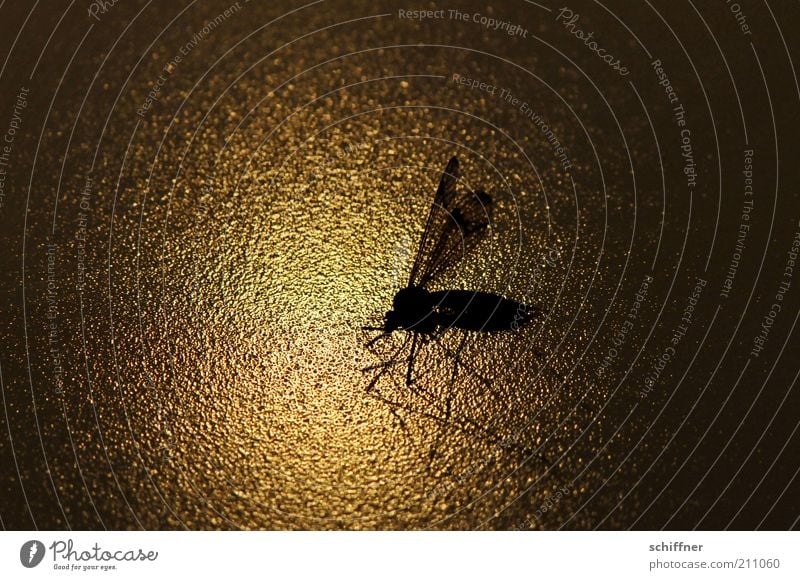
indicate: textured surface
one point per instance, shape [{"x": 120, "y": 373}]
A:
[{"x": 248, "y": 208}]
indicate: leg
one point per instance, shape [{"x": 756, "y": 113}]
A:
[
  {"x": 458, "y": 356},
  {"x": 410, "y": 371}
]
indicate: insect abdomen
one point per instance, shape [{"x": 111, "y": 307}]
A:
[{"x": 479, "y": 311}]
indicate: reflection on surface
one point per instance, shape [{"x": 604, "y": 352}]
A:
[{"x": 201, "y": 284}]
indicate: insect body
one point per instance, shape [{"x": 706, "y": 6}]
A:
[{"x": 456, "y": 222}]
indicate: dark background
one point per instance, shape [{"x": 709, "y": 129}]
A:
[{"x": 240, "y": 231}]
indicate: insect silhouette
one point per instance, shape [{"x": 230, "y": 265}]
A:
[{"x": 457, "y": 220}]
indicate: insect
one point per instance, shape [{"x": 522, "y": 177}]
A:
[{"x": 456, "y": 222}]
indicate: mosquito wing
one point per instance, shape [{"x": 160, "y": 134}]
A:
[{"x": 455, "y": 223}]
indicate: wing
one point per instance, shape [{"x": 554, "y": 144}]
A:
[{"x": 455, "y": 224}]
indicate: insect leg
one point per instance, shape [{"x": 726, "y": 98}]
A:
[
  {"x": 457, "y": 357},
  {"x": 410, "y": 371}
]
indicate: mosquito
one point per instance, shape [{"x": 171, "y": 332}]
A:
[{"x": 456, "y": 222}]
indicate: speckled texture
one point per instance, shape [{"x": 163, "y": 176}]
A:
[{"x": 268, "y": 204}]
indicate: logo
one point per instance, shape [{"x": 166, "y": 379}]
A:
[{"x": 31, "y": 553}]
